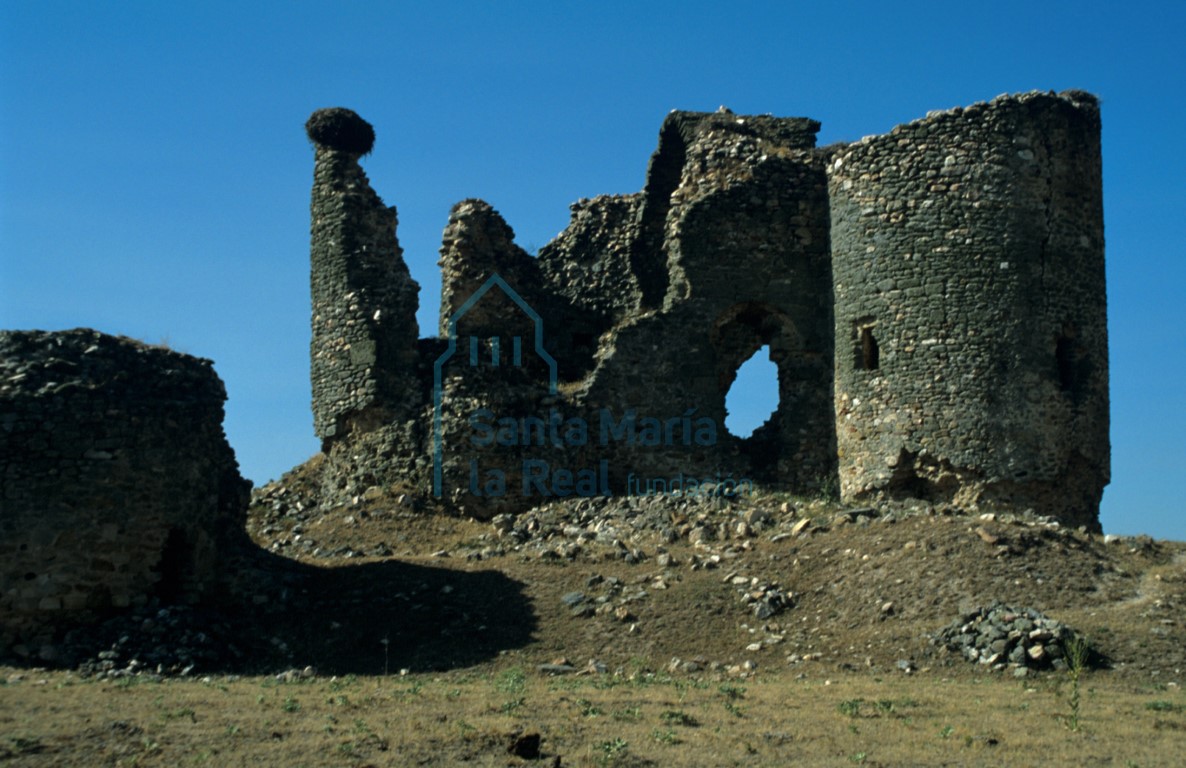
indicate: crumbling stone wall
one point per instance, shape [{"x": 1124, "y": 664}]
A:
[
  {"x": 933, "y": 300},
  {"x": 972, "y": 360},
  {"x": 364, "y": 299},
  {"x": 728, "y": 240},
  {"x": 116, "y": 480}
]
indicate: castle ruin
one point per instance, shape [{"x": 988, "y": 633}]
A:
[
  {"x": 117, "y": 485},
  {"x": 933, "y": 299}
]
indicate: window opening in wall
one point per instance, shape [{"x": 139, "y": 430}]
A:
[
  {"x": 173, "y": 566},
  {"x": 753, "y": 397},
  {"x": 866, "y": 353}
]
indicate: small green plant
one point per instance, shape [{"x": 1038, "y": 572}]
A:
[
  {"x": 341, "y": 683},
  {"x": 678, "y": 717},
  {"x": 850, "y": 707},
  {"x": 1164, "y": 706},
  {"x": 665, "y": 737},
  {"x": 858, "y": 757},
  {"x": 612, "y": 752},
  {"x": 629, "y": 714},
  {"x": 828, "y": 488},
  {"x": 511, "y": 680},
  {"x": 947, "y": 731},
  {"x": 1078, "y": 651},
  {"x": 588, "y": 708},
  {"x": 291, "y": 704},
  {"x": 732, "y": 692},
  {"x": 511, "y": 705}
]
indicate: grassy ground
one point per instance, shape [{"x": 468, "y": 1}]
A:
[
  {"x": 471, "y": 614},
  {"x": 634, "y": 718}
]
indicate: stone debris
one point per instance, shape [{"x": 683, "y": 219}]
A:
[
  {"x": 1002, "y": 636},
  {"x": 155, "y": 641},
  {"x": 765, "y": 598}
]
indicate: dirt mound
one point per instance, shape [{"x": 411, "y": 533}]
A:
[{"x": 662, "y": 578}]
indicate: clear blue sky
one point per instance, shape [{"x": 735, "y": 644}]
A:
[{"x": 154, "y": 173}]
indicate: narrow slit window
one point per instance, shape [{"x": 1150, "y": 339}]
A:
[
  {"x": 866, "y": 352},
  {"x": 870, "y": 354}
]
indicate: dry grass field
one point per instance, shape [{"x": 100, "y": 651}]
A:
[
  {"x": 429, "y": 640},
  {"x": 475, "y": 717}
]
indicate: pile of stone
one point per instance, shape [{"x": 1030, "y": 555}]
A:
[
  {"x": 765, "y": 598},
  {"x": 156, "y": 642},
  {"x": 615, "y": 600},
  {"x": 632, "y": 528},
  {"x": 1002, "y": 636}
]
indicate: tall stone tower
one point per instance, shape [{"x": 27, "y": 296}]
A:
[
  {"x": 364, "y": 299},
  {"x": 971, "y": 327}
]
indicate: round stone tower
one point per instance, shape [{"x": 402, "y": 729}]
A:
[{"x": 971, "y": 327}]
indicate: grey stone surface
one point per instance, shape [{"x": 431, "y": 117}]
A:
[
  {"x": 933, "y": 300},
  {"x": 117, "y": 485}
]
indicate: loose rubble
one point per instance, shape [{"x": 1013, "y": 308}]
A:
[
  {"x": 156, "y": 641},
  {"x": 1002, "y": 636}
]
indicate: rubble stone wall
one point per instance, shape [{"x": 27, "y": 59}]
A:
[
  {"x": 364, "y": 299},
  {"x": 116, "y": 480},
  {"x": 933, "y": 300},
  {"x": 968, "y": 260}
]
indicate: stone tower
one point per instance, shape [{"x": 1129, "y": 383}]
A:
[
  {"x": 971, "y": 327},
  {"x": 364, "y": 299}
]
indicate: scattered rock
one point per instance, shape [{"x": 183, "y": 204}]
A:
[{"x": 1000, "y": 635}]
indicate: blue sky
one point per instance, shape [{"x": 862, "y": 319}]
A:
[{"x": 154, "y": 173}]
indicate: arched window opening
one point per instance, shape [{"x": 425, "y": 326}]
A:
[{"x": 753, "y": 397}]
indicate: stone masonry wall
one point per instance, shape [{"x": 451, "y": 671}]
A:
[
  {"x": 971, "y": 334},
  {"x": 116, "y": 480},
  {"x": 933, "y": 300},
  {"x": 364, "y": 299}
]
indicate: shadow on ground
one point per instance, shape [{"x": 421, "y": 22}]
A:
[
  {"x": 380, "y": 617},
  {"x": 371, "y": 618}
]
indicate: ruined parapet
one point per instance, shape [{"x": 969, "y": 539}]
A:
[
  {"x": 478, "y": 243},
  {"x": 743, "y": 250},
  {"x": 968, "y": 260},
  {"x": 116, "y": 481},
  {"x": 589, "y": 262},
  {"x": 364, "y": 299}
]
